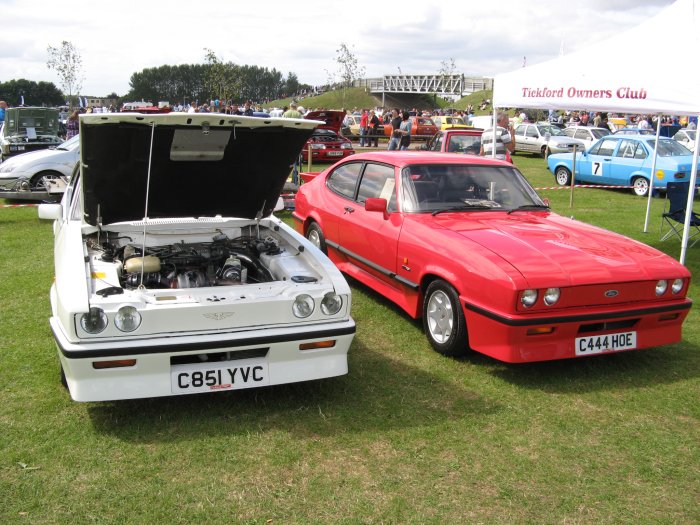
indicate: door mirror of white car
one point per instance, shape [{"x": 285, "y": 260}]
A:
[
  {"x": 50, "y": 211},
  {"x": 280, "y": 204}
]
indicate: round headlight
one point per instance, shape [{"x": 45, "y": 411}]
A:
[
  {"x": 528, "y": 298},
  {"x": 551, "y": 296},
  {"x": 95, "y": 321},
  {"x": 661, "y": 287},
  {"x": 677, "y": 285},
  {"x": 303, "y": 305},
  {"x": 127, "y": 319},
  {"x": 331, "y": 303}
]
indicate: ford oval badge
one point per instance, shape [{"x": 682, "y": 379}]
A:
[{"x": 612, "y": 293}]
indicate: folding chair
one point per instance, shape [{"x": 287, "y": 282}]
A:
[{"x": 677, "y": 197}]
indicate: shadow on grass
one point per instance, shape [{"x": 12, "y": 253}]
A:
[
  {"x": 379, "y": 394},
  {"x": 610, "y": 372}
]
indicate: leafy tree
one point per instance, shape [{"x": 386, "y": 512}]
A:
[
  {"x": 35, "y": 94},
  {"x": 349, "y": 70},
  {"x": 447, "y": 69},
  {"x": 66, "y": 61}
]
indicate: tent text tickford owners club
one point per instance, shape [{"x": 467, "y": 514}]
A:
[{"x": 573, "y": 92}]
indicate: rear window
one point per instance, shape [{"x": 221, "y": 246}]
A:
[{"x": 669, "y": 148}]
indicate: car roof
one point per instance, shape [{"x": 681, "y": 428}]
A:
[{"x": 404, "y": 158}]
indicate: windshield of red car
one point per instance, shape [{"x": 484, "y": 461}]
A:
[{"x": 434, "y": 187}]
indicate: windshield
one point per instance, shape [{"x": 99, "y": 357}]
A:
[
  {"x": 436, "y": 187},
  {"x": 669, "y": 148},
  {"x": 552, "y": 130}
]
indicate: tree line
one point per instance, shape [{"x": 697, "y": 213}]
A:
[
  {"x": 186, "y": 83},
  {"x": 33, "y": 93}
]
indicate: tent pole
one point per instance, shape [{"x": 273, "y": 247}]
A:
[
  {"x": 573, "y": 178},
  {"x": 493, "y": 149},
  {"x": 691, "y": 197},
  {"x": 653, "y": 170}
]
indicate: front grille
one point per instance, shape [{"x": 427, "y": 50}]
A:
[
  {"x": 216, "y": 357},
  {"x": 613, "y": 325}
]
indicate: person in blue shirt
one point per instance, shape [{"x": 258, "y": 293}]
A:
[{"x": 3, "y": 107}]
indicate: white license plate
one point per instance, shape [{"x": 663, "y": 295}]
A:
[
  {"x": 211, "y": 377},
  {"x": 335, "y": 153},
  {"x": 599, "y": 344}
]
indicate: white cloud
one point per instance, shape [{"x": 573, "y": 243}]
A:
[{"x": 116, "y": 40}]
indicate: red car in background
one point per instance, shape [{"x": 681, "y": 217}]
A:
[
  {"x": 466, "y": 141},
  {"x": 422, "y": 127},
  {"x": 326, "y": 143},
  {"x": 466, "y": 244}
]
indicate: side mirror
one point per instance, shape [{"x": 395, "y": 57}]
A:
[
  {"x": 50, "y": 211},
  {"x": 372, "y": 204}
]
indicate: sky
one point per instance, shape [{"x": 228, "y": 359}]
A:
[{"x": 117, "y": 39}]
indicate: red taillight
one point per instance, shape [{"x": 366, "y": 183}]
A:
[{"x": 116, "y": 363}]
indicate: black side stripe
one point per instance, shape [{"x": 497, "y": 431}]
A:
[{"x": 410, "y": 284}]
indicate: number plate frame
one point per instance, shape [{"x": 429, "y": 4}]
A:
[
  {"x": 194, "y": 378},
  {"x": 602, "y": 344}
]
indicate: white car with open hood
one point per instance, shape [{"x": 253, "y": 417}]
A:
[{"x": 172, "y": 274}]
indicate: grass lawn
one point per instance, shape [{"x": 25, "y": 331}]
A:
[{"x": 408, "y": 436}]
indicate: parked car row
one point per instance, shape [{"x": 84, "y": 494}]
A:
[{"x": 164, "y": 288}]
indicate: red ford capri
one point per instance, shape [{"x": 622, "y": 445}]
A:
[{"x": 466, "y": 244}]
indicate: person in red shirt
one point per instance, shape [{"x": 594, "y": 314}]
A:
[{"x": 363, "y": 127}]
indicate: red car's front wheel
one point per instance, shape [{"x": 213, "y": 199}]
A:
[{"x": 443, "y": 319}]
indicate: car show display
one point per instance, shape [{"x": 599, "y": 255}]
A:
[
  {"x": 466, "y": 244},
  {"x": 172, "y": 274}
]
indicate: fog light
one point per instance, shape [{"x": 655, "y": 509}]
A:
[
  {"x": 677, "y": 286},
  {"x": 95, "y": 321},
  {"x": 331, "y": 303},
  {"x": 528, "y": 298},
  {"x": 551, "y": 296},
  {"x": 303, "y": 305},
  {"x": 661, "y": 287},
  {"x": 127, "y": 319}
]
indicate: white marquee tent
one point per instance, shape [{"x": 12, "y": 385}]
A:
[{"x": 635, "y": 71}]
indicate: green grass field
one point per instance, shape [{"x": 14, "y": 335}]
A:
[{"x": 408, "y": 436}]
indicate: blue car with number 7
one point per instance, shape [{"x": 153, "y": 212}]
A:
[{"x": 625, "y": 160}]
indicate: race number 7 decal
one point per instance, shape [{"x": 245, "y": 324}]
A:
[{"x": 597, "y": 168}]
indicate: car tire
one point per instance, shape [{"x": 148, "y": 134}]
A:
[
  {"x": 315, "y": 235},
  {"x": 37, "y": 183},
  {"x": 640, "y": 186},
  {"x": 443, "y": 320},
  {"x": 562, "y": 176}
]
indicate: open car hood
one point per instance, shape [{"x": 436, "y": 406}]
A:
[
  {"x": 189, "y": 165},
  {"x": 31, "y": 122},
  {"x": 333, "y": 119}
]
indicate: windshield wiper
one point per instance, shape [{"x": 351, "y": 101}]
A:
[
  {"x": 465, "y": 207},
  {"x": 527, "y": 207}
]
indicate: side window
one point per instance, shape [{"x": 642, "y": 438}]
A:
[
  {"x": 520, "y": 130},
  {"x": 378, "y": 182},
  {"x": 569, "y": 132},
  {"x": 344, "y": 179},
  {"x": 640, "y": 152},
  {"x": 532, "y": 132},
  {"x": 581, "y": 134},
  {"x": 437, "y": 144},
  {"x": 626, "y": 149},
  {"x": 604, "y": 147}
]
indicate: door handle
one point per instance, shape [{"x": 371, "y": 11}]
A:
[{"x": 348, "y": 209}]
